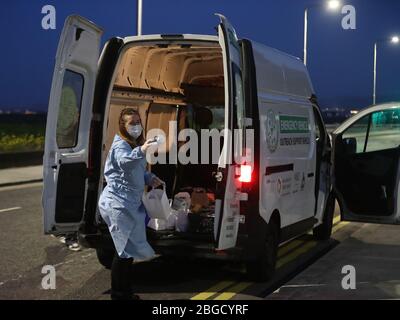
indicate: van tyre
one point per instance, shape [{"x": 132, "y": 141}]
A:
[
  {"x": 324, "y": 231},
  {"x": 105, "y": 257},
  {"x": 263, "y": 268}
]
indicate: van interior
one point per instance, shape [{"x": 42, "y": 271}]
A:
[{"x": 173, "y": 82}]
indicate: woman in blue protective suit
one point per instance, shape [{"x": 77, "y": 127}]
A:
[{"x": 120, "y": 203}]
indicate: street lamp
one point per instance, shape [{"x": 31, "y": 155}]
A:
[
  {"x": 139, "y": 17},
  {"x": 332, "y": 5},
  {"x": 394, "y": 40}
]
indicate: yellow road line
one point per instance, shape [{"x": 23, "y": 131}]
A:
[
  {"x": 339, "y": 226},
  {"x": 336, "y": 219},
  {"x": 213, "y": 290},
  {"x": 295, "y": 254},
  {"x": 241, "y": 286},
  {"x": 290, "y": 246},
  {"x": 301, "y": 248}
]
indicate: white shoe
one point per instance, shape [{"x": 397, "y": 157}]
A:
[{"x": 75, "y": 247}]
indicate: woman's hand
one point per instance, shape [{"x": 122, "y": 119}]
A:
[
  {"x": 156, "y": 182},
  {"x": 146, "y": 145}
]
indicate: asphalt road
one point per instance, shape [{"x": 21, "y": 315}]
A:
[{"x": 24, "y": 250}]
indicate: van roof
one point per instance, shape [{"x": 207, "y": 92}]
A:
[{"x": 280, "y": 73}]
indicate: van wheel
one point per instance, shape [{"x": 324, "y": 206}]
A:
[
  {"x": 105, "y": 257},
  {"x": 263, "y": 268},
  {"x": 324, "y": 231}
]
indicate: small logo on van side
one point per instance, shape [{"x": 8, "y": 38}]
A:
[{"x": 272, "y": 127}]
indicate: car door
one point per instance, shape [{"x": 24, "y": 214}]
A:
[
  {"x": 366, "y": 166},
  {"x": 323, "y": 163},
  {"x": 229, "y": 177},
  {"x": 68, "y": 125}
]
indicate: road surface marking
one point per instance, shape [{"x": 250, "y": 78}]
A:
[
  {"x": 339, "y": 226},
  {"x": 300, "y": 247},
  {"x": 10, "y": 209},
  {"x": 213, "y": 290},
  {"x": 336, "y": 219},
  {"x": 233, "y": 291},
  {"x": 23, "y": 186},
  {"x": 225, "y": 284},
  {"x": 295, "y": 254},
  {"x": 304, "y": 285},
  {"x": 290, "y": 246}
]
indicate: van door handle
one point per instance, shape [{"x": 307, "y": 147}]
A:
[{"x": 54, "y": 167}]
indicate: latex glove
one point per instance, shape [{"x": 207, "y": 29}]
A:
[{"x": 147, "y": 145}]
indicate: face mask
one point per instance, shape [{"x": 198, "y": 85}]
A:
[{"x": 135, "y": 131}]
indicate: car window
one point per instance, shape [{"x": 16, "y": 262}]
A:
[
  {"x": 384, "y": 132},
  {"x": 318, "y": 128},
  {"x": 357, "y": 134},
  {"x": 69, "y": 110}
]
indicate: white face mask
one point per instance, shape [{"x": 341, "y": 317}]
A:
[{"x": 135, "y": 131}]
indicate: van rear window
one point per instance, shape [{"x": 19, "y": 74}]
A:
[{"x": 69, "y": 110}]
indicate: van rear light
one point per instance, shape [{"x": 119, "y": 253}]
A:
[{"x": 245, "y": 173}]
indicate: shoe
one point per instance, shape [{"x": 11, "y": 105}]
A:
[{"x": 75, "y": 247}]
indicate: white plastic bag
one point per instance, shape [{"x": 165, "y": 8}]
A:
[
  {"x": 157, "y": 204},
  {"x": 164, "y": 225},
  {"x": 181, "y": 205},
  {"x": 182, "y": 221},
  {"x": 157, "y": 224}
]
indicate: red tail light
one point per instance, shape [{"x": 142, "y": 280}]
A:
[{"x": 245, "y": 173}]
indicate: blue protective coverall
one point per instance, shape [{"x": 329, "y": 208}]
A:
[{"x": 120, "y": 203}]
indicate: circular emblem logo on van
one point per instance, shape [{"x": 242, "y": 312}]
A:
[{"x": 272, "y": 127}]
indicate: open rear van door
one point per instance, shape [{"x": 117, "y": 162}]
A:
[
  {"x": 366, "y": 165},
  {"x": 228, "y": 197},
  {"x": 68, "y": 126}
]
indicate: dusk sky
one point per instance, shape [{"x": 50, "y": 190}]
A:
[{"x": 340, "y": 61}]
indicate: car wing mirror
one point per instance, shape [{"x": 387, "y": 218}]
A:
[{"x": 350, "y": 145}]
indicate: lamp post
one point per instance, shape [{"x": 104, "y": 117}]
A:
[
  {"x": 394, "y": 40},
  {"x": 332, "y": 5},
  {"x": 139, "y": 17}
]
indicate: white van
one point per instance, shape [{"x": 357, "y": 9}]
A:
[{"x": 199, "y": 82}]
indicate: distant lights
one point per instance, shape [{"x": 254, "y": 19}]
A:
[{"x": 395, "y": 40}]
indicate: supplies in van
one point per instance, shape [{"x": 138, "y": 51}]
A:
[
  {"x": 160, "y": 225},
  {"x": 202, "y": 222},
  {"x": 181, "y": 207},
  {"x": 199, "y": 200},
  {"x": 201, "y": 217},
  {"x": 177, "y": 218}
]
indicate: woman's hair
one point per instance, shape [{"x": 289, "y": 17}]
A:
[{"x": 122, "y": 129}]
